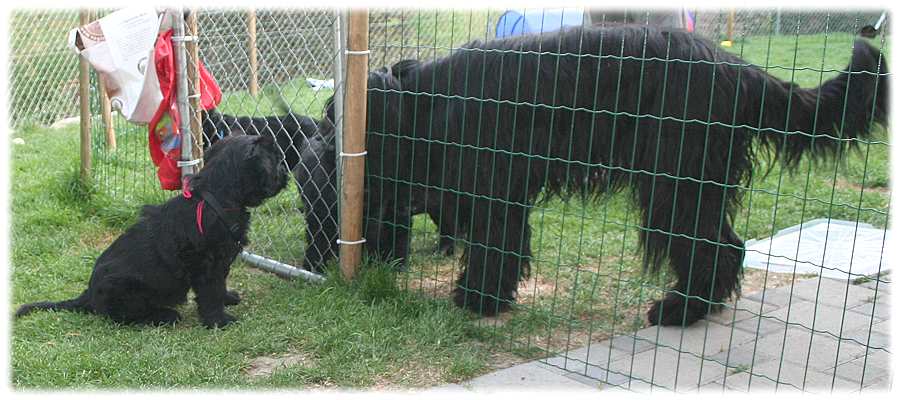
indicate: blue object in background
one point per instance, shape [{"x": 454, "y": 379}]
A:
[{"x": 513, "y": 22}]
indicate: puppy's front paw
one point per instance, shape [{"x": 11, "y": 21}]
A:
[
  {"x": 232, "y": 298},
  {"x": 220, "y": 322}
]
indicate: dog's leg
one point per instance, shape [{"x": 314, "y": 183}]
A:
[
  {"x": 232, "y": 298},
  {"x": 399, "y": 248},
  {"x": 162, "y": 316},
  {"x": 387, "y": 233},
  {"x": 497, "y": 258},
  {"x": 700, "y": 244},
  {"x": 320, "y": 210},
  {"x": 129, "y": 301},
  {"x": 209, "y": 285},
  {"x": 321, "y": 236},
  {"x": 446, "y": 229}
]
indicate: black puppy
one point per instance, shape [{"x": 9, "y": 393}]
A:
[
  {"x": 189, "y": 242},
  {"x": 289, "y": 129}
]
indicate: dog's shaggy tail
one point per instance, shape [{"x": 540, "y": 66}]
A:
[
  {"x": 79, "y": 304},
  {"x": 822, "y": 122}
]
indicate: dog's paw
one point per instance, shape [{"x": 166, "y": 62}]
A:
[
  {"x": 163, "y": 316},
  {"x": 484, "y": 305},
  {"x": 445, "y": 248},
  {"x": 232, "y": 298},
  {"x": 220, "y": 322},
  {"x": 671, "y": 312}
]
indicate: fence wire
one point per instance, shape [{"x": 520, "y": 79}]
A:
[
  {"x": 291, "y": 46},
  {"x": 43, "y": 73},
  {"x": 583, "y": 305}
]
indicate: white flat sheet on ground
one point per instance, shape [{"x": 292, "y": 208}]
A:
[{"x": 833, "y": 248}]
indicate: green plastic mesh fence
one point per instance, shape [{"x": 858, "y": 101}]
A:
[{"x": 566, "y": 168}]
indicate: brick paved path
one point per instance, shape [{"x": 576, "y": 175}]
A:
[{"x": 774, "y": 340}]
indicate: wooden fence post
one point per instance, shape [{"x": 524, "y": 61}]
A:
[
  {"x": 84, "y": 99},
  {"x": 251, "y": 47},
  {"x": 729, "y": 26},
  {"x": 354, "y": 142},
  {"x": 193, "y": 71},
  {"x": 106, "y": 114}
]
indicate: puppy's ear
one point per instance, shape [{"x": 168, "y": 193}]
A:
[
  {"x": 261, "y": 143},
  {"x": 265, "y": 140},
  {"x": 212, "y": 151}
]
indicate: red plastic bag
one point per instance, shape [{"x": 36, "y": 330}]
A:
[{"x": 165, "y": 135}]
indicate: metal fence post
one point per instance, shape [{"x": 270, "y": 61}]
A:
[
  {"x": 354, "y": 142},
  {"x": 340, "y": 77},
  {"x": 778, "y": 21},
  {"x": 178, "y": 40}
]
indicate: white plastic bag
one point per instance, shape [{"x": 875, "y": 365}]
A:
[{"x": 833, "y": 248}]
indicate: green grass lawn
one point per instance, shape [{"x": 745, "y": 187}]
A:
[
  {"x": 382, "y": 329},
  {"x": 362, "y": 334}
]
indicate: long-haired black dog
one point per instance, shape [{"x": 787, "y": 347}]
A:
[
  {"x": 178, "y": 246},
  {"x": 316, "y": 177},
  {"x": 502, "y": 124}
]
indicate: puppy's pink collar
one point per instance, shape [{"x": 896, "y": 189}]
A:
[{"x": 186, "y": 192}]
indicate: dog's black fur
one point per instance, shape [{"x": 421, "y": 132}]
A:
[
  {"x": 150, "y": 268},
  {"x": 289, "y": 129},
  {"x": 502, "y": 124},
  {"x": 316, "y": 177}
]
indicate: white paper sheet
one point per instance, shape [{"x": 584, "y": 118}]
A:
[{"x": 120, "y": 47}]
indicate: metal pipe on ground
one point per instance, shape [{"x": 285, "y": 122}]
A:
[{"x": 283, "y": 270}]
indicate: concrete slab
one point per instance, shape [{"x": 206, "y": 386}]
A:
[
  {"x": 597, "y": 355},
  {"x": 832, "y": 292},
  {"x": 739, "y": 311},
  {"x": 719, "y": 354},
  {"x": 778, "y": 297},
  {"x": 530, "y": 376},
  {"x": 882, "y": 285},
  {"x": 874, "y": 338},
  {"x": 785, "y": 377},
  {"x": 822, "y": 317},
  {"x": 880, "y": 310},
  {"x": 865, "y": 370},
  {"x": 669, "y": 369}
]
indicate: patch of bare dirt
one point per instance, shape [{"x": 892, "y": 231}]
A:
[
  {"x": 264, "y": 366},
  {"x": 756, "y": 279},
  {"x": 842, "y": 183},
  {"x": 410, "y": 376},
  {"x": 98, "y": 242}
]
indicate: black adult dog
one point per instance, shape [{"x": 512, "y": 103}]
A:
[
  {"x": 502, "y": 124},
  {"x": 316, "y": 177},
  {"x": 179, "y": 246},
  {"x": 289, "y": 129}
]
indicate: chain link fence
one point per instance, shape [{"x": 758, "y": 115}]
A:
[
  {"x": 587, "y": 290},
  {"x": 43, "y": 73},
  {"x": 291, "y": 46},
  {"x": 713, "y": 24}
]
